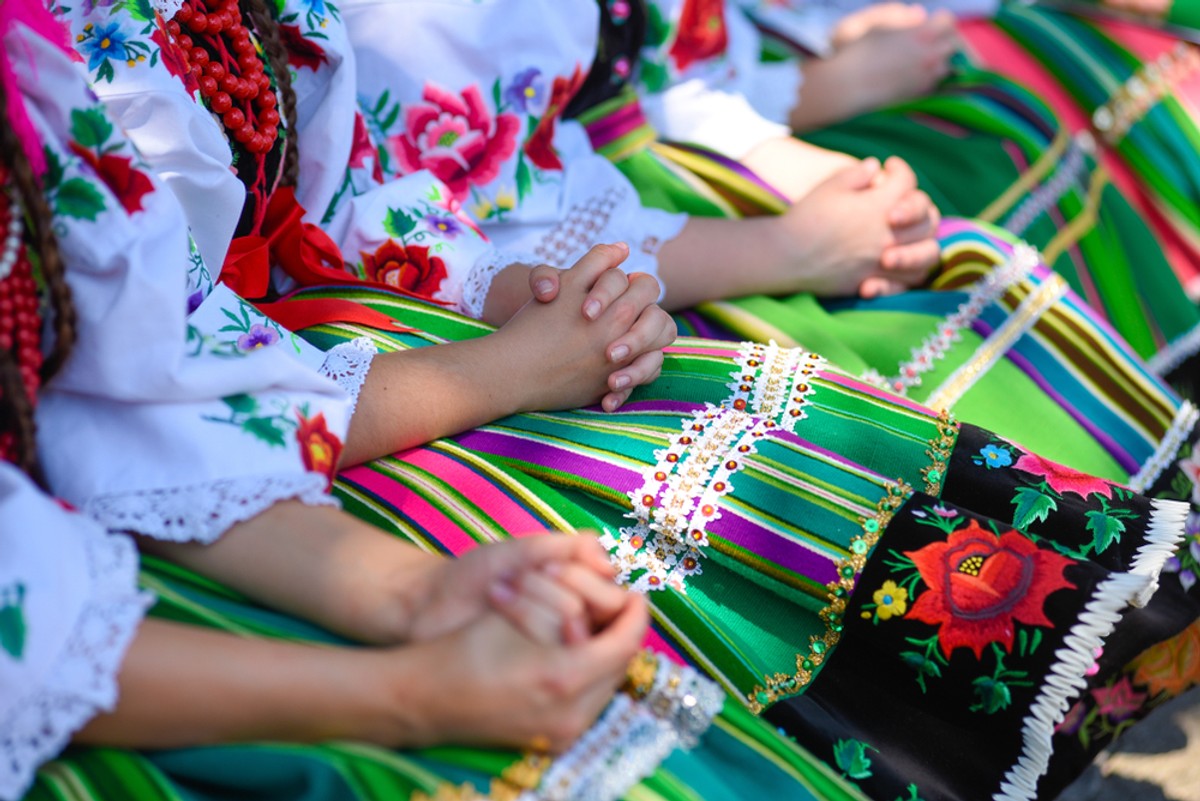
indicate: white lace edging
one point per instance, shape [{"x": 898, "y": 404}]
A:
[
  {"x": 633, "y": 737},
  {"x": 83, "y": 678},
  {"x": 479, "y": 281},
  {"x": 1175, "y": 353},
  {"x": 1067, "y": 679},
  {"x": 347, "y": 366},
  {"x": 1168, "y": 446},
  {"x": 203, "y": 512},
  {"x": 1163, "y": 535}
]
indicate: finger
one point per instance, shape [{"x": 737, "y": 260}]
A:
[
  {"x": 610, "y": 285},
  {"x": 543, "y": 587},
  {"x": 914, "y": 209},
  {"x": 588, "y": 551},
  {"x": 640, "y": 371},
  {"x": 615, "y": 400},
  {"x": 877, "y": 286},
  {"x": 900, "y": 176},
  {"x": 543, "y": 283},
  {"x": 610, "y": 650},
  {"x": 602, "y": 599},
  {"x": 624, "y": 313},
  {"x": 915, "y": 257},
  {"x": 528, "y": 615},
  {"x": 593, "y": 263},
  {"x": 653, "y": 330}
]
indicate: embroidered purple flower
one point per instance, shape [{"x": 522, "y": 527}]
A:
[
  {"x": 1191, "y": 469},
  {"x": 445, "y": 224},
  {"x": 1070, "y": 723},
  {"x": 102, "y": 42},
  {"x": 942, "y": 511},
  {"x": 194, "y": 300},
  {"x": 995, "y": 456},
  {"x": 527, "y": 92},
  {"x": 259, "y": 336}
]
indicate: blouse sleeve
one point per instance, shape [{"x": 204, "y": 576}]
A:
[
  {"x": 69, "y": 608},
  {"x": 172, "y": 424}
]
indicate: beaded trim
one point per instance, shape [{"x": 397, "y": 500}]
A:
[
  {"x": 1068, "y": 175},
  {"x": 12, "y": 236},
  {"x": 935, "y": 346},
  {"x": 1148, "y": 85},
  {"x": 782, "y": 685},
  {"x": 939, "y": 451},
  {"x": 774, "y": 382},
  {"x": 999, "y": 342},
  {"x": 1185, "y": 420},
  {"x": 680, "y": 497}
]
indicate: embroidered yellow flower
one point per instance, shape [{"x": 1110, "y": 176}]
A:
[
  {"x": 506, "y": 199},
  {"x": 890, "y": 600}
]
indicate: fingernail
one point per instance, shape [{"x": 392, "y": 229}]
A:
[
  {"x": 552, "y": 569},
  {"x": 620, "y": 382},
  {"x": 502, "y": 592},
  {"x": 591, "y": 309},
  {"x": 544, "y": 286},
  {"x": 619, "y": 353}
]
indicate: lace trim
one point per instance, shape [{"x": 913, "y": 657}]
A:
[
  {"x": 479, "y": 281},
  {"x": 1163, "y": 535},
  {"x": 347, "y": 366},
  {"x": 82, "y": 681},
  {"x": 1069, "y": 174},
  {"x": 203, "y": 512},
  {"x": 998, "y": 343},
  {"x": 633, "y": 737},
  {"x": 1175, "y": 353},
  {"x": 1066, "y": 680},
  {"x": 949, "y": 331},
  {"x": 1143, "y": 90},
  {"x": 581, "y": 227},
  {"x": 1168, "y": 446},
  {"x": 774, "y": 382}
]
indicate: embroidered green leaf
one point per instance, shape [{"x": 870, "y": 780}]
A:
[
  {"x": 266, "y": 429},
  {"x": 991, "y": 695},
  {"x": 524, "y": 182},
  {"x": 54, "y": 171},
  {"x": 381, "y": 104},
  {"x": 913, "y": 794},
  {"x": 398, "y": 224},
  {"x": 241, "y": 403},
  {"x": 89, "y": 127},
  {"x": 12, "y": 621},
  {"x": 654, "y": 76},
  {"x": 141, "y": 9},
  {"x": 387, "y": 122},
  {"x": 851, "y": 758},
  {"x": 496, "y": 95},
  {"x": 1031, "y": 507},
  {"x": 1181, "y": 486},
  {"x": 922, "y": 665},
  {"x": 1105, "y": 529},
  {"x": 105, "y": 72},
  {"x": 77, "y": 198}
]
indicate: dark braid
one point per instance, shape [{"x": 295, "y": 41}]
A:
[
  {"x": 617, "y": 40},
  {"x": 277, "y": 57},
  {"x": 16, "y": 407}
]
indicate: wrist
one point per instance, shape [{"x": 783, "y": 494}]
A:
[{"x": 508, "y": 293}]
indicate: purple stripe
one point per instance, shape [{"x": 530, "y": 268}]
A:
[
  {"x": 617, "y": 123},
  {"x": 555, "y": 458},
  {"x": 771, "y": 546},
  {"x": 732, "y": 166}
]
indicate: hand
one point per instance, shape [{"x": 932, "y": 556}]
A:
[
  {"x": 488, "y": 684},
  {"x": 552, "y": 588},
  {"x": 888, "y": 54},
  {"x": 569, "y": 354},
  {"x": 866, "y": 230}
]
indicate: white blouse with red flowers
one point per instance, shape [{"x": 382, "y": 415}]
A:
[
  {"x": 182, "y": 409},
  {"x": 473, "y": 92}
]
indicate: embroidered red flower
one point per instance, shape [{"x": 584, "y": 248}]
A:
[
  {"x": 540, "y": 144},
  {"x": 174, "y": 58},
  {"x": 981, "y": 585},
  {"x": 701, "y": 33},
  {"x": 319, "y": 447},
  {"x": 1063, "y": 479},
  {"x": 362, "y": 148},
  {"x": 126, "y": 183},
  {"x": 301, "y": 51},
  {"x": 1120, "y": 701},
  {"x": 410, "y": 268},
  {"x": 455, "y": 138}
]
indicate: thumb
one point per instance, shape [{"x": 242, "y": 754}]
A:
[{"x": 857, "y": 176}]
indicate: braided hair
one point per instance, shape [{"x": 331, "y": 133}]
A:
[
  {"x": 620, "y": 40},
  {"x": 16, "y": 404}
]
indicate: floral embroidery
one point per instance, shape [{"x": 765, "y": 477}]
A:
[
  {"x": 447, "y": 225},
  {"x": 992, "y": 456},
  {"x": 320, "y": 448},
  {"x": 12, "y": 620},
  {"x": 410, "y": 268},
  {"x": 851, "y": 758},
  {"x": 174, "y": 58},
  {"x": 980, "y": 585},
  {"x": 302, "y": 52},
  {"x": 455, "y": 138},
  {"x": 1063, "y": 479},
  {"x": 1190, "y": 467},
  {"x": 246, "y": 413},
  {"x": 527, "y": 92},
  {"x": 259, "y": 336},
  {"x": 1119, "y": 701},
  {"x": 890, "y": 600},
  {"x": 248, "y": 329},
  {"x": 701, "y": 33},
  {"x": 1186, "y": 560},
  {"x": 539, "y": 146},
  {"x": 91, "y": 132},
  {"x": 1172, "y": 666}
]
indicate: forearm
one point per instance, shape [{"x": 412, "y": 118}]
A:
[
  {"x": 713, "y": 259},
  {"x": 185, "y": 686},
  {"x": 325, "y": 566},
  {"x": 795, "y": 167}
]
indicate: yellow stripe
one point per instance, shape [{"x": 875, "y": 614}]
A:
[
  {"x": 1027, "y": 179},
  {"x": 1082, "y": 223}
]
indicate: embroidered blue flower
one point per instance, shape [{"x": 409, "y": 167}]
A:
[
  {"x": 103, "y": 42},
  {"x": 259, "y": 336},
  {"x": 527, "y": 92},
  {"x": 995, "y": 456}
]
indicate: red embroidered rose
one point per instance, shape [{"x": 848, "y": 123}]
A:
[
  {"x": 319, "y": 447},
  {"x": 127, "y": 184},
  {"x": 455, "y": 138},
  {"x": 410, "y": 268},
  {"x": 701, "y": 33},
  {"x": 980, "y": 585},
  {"x": 540, "y": 144},
  {"x": 1063, "y": 479},
  {"x": 301, "y": 51},
  {"x": 173, "y": 57},
  {"x": 362, "y": 148}
]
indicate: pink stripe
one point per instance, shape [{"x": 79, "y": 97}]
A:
[
  {"x": 867, "y": 389},
  {"x": 728, "y": 352},
  {"x": 658, "y": 644},
  {"x": 424, "y": 514},
  {"x": 500, "y": 506}
]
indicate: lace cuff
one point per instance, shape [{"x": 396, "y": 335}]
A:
[
  {"x": 347, "y": 366},
  {"x": 83, "y": 678},
  {"x": 203, "y": 512},
  {"x": 479, "y": 280}
]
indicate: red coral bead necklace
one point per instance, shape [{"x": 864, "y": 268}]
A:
[
  {"x": 20, "y": 306},
  {"x": 229, "y": 70}
]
